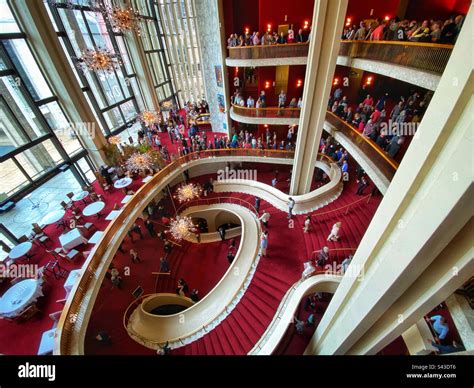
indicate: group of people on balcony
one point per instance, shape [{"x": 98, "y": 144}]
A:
[
  {"x": 261, "y": 102},
  {"x": 435, "y": 31},
  {"x": 269, "y": 38},
  {"x": 370, "y": 114}
]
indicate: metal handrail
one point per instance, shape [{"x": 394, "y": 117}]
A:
[{"x": 71, "y": 319}]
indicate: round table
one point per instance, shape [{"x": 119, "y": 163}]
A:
[
  {"x": 20, "y": 250},
  {"x": 20, "y": 296},
  {"x": 80, "y": 196},
  {"x": 122, "y": 183},
  {"x": 93, "y": 209},
  {"x": 53, "y": 217}
]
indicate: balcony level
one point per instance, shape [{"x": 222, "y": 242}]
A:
[
  {"x": 275, "y": 55},
  {"x": 374, "y": 160},
  {"x": 417, "y": 63}
]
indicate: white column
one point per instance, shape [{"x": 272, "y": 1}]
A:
[
  {"x": 427, "y": 205},
  {"x": 327, "y": 26}
]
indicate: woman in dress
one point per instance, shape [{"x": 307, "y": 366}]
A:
[{"x": 334, "y": 235}]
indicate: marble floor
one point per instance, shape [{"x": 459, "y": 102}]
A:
[{"x": 45, "y": 199}]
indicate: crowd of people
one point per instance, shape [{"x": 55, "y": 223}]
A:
[
  {"x": 435, "y": 31},
  {"x": 370, "y": 113},
  {"x": 269, "y": 38},
  {"x": 261, "y": 102}
]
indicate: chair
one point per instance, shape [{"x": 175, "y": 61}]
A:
[
  {"x": 55, "y": 317},
  {"x": 66, "y": 206},
  {"x": 88, "y": 227},
  {"x": 5, "y": 247},
  {"x": 54, "y": 268},
  {"x": 70, "y": 195},
  {"x": 28, "y": 313},
  {"x": 23, "y": 239}
]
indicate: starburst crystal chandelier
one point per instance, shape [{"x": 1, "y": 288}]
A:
[
  {"x": 114, "y": 140},
  {"x": 99, "y": 60},
  {"x": 181, "y": 228},
  {"x": 188, "y": 192},
  {"x": 138, "y": 162},
  {"x": 148, "y": 117},
  {"x": 124, "y": 19}
]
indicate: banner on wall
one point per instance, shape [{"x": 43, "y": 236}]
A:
[
  {"x": 219, "y": 79},
  {"x": 221, "y": 102}
]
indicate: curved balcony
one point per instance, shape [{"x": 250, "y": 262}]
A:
[
  {"x": 379, "y": 166},
  {"x": 270, "y": 55},
  {"x": 72, "y": 325},
  {"x": 414, "y": 62},
  {"x": 271, "y": 116}
]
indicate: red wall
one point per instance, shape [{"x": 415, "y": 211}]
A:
[
  {"x": 273, "y": 12},
  {"x": 436, "y": 9},
  {"x": 296, "y": 73},
  {"x": 359, "y": 10},
  {"x": 239, "y": 14}
]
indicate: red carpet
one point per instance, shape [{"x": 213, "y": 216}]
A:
[{"x": 24, "y": 339}]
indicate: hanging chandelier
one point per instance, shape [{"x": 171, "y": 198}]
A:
[
  {"x": 138, "y": 162},
  {"x": 181, "y": 228},
  {"x": 167, "y": 105},
  {"x": 188, "y": 192},
  {"x": 124, "y": 19},
  {"x": 148, "y": 118},
  {"x": 115, "y": 140},
  {"x": 99, "y": 60}
]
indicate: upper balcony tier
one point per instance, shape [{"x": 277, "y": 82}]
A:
[
  {"x": 417, "y": 63},
  {"x": 274, "y": 55}
]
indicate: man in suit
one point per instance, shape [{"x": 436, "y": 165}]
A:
[
  {"x": 300, "y": 37},
  {"x": 362, "y": 186}
]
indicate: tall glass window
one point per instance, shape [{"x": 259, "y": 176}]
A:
[
  {"x": 177, "y": 24},
  {"x": 114, "y": 96},
  {"x": 36, "y": 139}
]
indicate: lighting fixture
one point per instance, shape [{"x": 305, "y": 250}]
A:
[
  {"x": 139, "y": 162},
  {"x": 99, "y": 60},
  {"x": 188, "y": 192},
  {"x": 114, "y": 140},
  {"x": 181, "y": 228},
  {"x": 148, "y": 118}
]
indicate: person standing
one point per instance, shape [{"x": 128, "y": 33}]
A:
[
  {"x": 263, "y": 244},
  {"x": 194, "y": 295},
  {"x": 134, "y": 256},
  {"x": 362, "y": 186},
  {"x": 182, "y": 288},
  {"x": 230, "y": 256},
  {"x": 116, "y": 278},
  {"x": 440, "y": 326},
  {"x": 164, "y": 265},
  {"x": 150, "y": 227},
  {"x": 323, "y": 256},
  {"x": 264, "y": 218},
  {"x": 307, "y": 224},
  {"x": 291, "y": 205},
  {"x": 334, "y": 235},
  {"x": 257, "y": 204},
  {"x": 221, "y": 231}
]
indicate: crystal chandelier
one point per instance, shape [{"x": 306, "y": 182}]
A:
[
  {"x": 167, "y": 105},
  {"x": 114, "y": 140},
  {"x": 138, "y": 162},
  {"x": 124, "y": 19},
  {"x": 188, "y": 192},
  {"x": 148, "y": 118},
  {"x": 99, "y": 60},
  {"x": 181, "y": 228}
]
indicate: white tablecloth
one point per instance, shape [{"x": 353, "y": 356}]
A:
[
  {"x": 20, "y": 250},
  {"x": 72, "y": 239},
  {"x": 52, "y": 217},
  {"x": 126, "y": 198},
  {"x": 96, "y": 237},
  {"x": 93, "y": 208},
  {"x": 147, "y": 179},
  {"x": 112, "y": 215},
  {"x": 20, "y": 296},
  {"x": 122, "y": 183},
  {"x": 80, "y": 196},
  {"x": 47, "y": 342},
  {"x": 72, "y": 279}
]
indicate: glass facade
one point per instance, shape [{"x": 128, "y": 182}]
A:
[
  {"x": 37, "y": 141},
  {"x": 114, "y": 96},
  {"x": 177, "y": 25}
]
